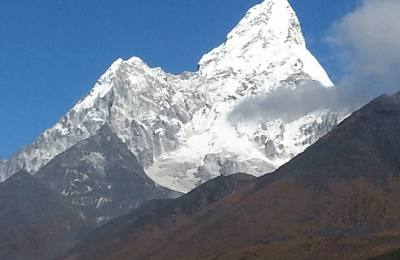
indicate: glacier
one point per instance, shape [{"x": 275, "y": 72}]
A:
[{"x": 178, "y": 126}]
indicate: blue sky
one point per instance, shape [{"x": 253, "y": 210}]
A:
[{"x": 52, "y": 51}]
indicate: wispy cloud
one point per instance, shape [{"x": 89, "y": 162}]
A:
[
  {"x": 289, "y": 104},
  {"x": 368, "y": 43}
]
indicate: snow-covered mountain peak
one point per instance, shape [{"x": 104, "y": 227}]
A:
[
  {"x": 109, "y": 80},
  {"x": 272, "y": 20},
  {"x": 135, "y": 60},
  {"x": 267, "y": 40},
  {"x": 178, "y": 125}
]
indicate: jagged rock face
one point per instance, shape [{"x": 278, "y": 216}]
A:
[
  {"x": 172, "y": 122},
  {"x": 101, "y": 177},
  {"x": 142, "y": 105},
  {"x": 273, "y": 136}
]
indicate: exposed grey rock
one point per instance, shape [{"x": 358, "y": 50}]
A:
[
  {"x": 226, "y": 163},
  {"x": 270, "y": 149}
]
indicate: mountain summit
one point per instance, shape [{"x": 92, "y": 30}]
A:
[
  {"x": 269, "y": 33},
  {"x": 178, "y": 125}
]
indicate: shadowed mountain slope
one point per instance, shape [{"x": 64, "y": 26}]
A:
[
  {"x": 35, "y": 222},
  {"x": 102, "y": 177},
  {"x": 44, "y": 215}
]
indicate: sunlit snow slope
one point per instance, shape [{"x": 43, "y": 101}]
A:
[{"x": 178, "y": 125}]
